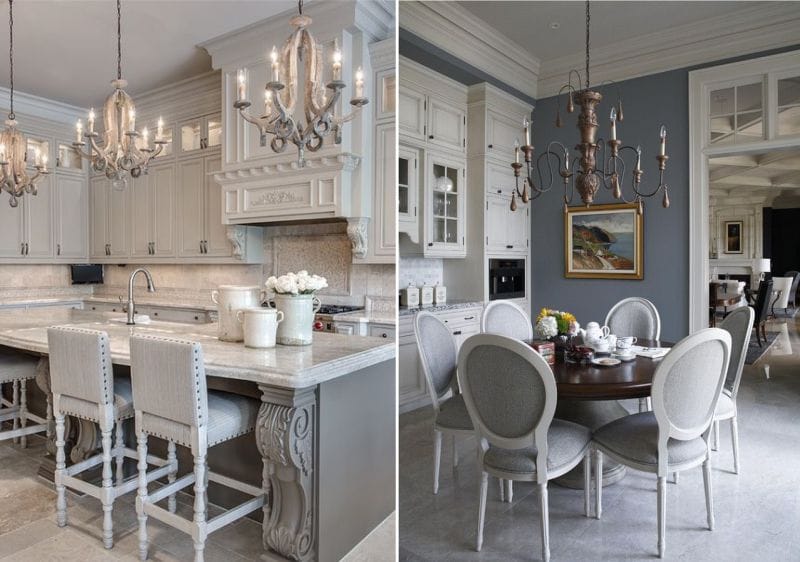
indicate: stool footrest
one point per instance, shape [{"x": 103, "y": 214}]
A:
[
  {"x": 235, "y": 484},
  {"x": 20, "y": 431},
  {"x": 172, "y": 488},
  {"x": 235, "y": 513}
]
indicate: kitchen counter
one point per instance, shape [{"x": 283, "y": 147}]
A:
[
  {"x": 330, "y": 475},
  {"x": 449, "y": 305},
  {"x": 366, "y": 317}
]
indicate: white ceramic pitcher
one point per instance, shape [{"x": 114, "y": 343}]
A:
[
  {"x": 260, "y": 325},
  {"x": 297, "y": 327},
  {"x": 229, "y": 299},
  {"x": 595, "y": 335}
]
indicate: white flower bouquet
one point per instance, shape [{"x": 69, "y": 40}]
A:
[{"x": 300, "y": 283}]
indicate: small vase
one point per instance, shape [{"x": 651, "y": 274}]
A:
[{"x": 297, "y": 327}]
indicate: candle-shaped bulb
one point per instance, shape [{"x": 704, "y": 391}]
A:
[
  {"x": 37, "y": 157},
  {"x": 241, "y": 83},
  {"x": 276, "y": 67},
  {"x": 359, "y": 83},
  {"x": 91, "y": 120},
  {"x": 160, "y": 129},
  {"x": 613, "y": 118},
  {"x": 2, "y": 153},
  {"x": 663, "y": 134},
  {"x": 638, "y": 158},
  {"x": 132, "y": 120},
  {"x": 516, "y": 151},
  {"x": 526, "y": 126},
  {"x": 337, "y": 61},
  {"x": 566, "y": 160},
  {"x": 44, "y": 161},
  {"x": 145, "y": 138},
  {"x": 79, "y": 131}
]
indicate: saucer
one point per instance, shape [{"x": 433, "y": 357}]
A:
[
  {"x": 605, "y": 362},
  {"x": 625, "y": 356}
]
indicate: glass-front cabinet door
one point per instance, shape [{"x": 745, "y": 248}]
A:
[
  {"x": 38, "y": 152},
  {"x": 408, "y": 168},
  {"x": 788, "y": 118},
  {"x": 445, "y": 193},
  {"x": 201, "y": 133},
  {"x": 68, "y": 158}
]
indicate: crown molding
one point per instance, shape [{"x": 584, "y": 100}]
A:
[
  {"x": 750, "y": 30},
  {"x": 455, "y": 30},
  {"x": 43, "y": 108}
]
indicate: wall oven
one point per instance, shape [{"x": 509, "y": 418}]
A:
[{"x": 506, "y": 279}]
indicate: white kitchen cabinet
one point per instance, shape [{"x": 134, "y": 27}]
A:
[
  {"x": 109, "y": 210},
  {"x": 71, "y": 205},
  {"x": 411, "y": 111},
  {"x": 153, "y": 204},
  {"x": 200, "y": 133},
  {"x": 11, "y": 229},
  {"x": 446, "y": 124},
  {"x": 506, "y": 232},
  {"x": 38, "y": 221},
  {"x": 445, "y": 198},
  {"x": 384, "y": 208},
  {"x": 500, "y": 179},
  {"x": 408, "y": 171},
  {"x": 386, "y": 331},
  {"x": 502, "y": 131}
]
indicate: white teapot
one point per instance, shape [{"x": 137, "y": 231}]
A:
[{"x": 596, "y": 335}]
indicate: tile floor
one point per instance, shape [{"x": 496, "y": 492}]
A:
[
  {"x": 28, "y": 532},
  {"x": 757, "y": 512}
]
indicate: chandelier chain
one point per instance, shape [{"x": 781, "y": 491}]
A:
[
  {"x": 300, "y": 6},
  {"x": 588, "y": 21},
  {"x": 11, "y": 53},
  {"x": 119, "y": 40}
]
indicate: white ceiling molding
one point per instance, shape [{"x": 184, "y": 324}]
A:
[
  {"x": 761, "y": 28},
  {"x": 455, "y": 30},
  {"x": 53, "y": 110}
]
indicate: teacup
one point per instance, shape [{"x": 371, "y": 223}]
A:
[
  {"x": 625, "y": 342},
  {"x": 612, "y": 341}
]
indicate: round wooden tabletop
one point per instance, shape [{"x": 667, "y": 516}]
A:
[{"x": 631, "y": 379}]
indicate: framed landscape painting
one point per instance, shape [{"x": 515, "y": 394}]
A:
[
  {"x": 604, "y": 242},
  {"x": 733, "y": 237}
]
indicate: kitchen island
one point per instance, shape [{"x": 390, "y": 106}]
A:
[{"x": 325, "y": 431}]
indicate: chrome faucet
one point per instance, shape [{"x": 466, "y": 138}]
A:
[{"x": 150, "y": 289}]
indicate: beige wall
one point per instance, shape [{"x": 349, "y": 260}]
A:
[{"x": 323, "y": 249}]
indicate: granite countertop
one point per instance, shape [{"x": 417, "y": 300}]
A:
[
  {"x": 329, "y": 357},
  {"x": 378, "y": 317},
  {"x": 449, "y": 305}
]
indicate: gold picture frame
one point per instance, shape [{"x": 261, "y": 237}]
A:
[
  {"x": 604, "y": 242},
  {"x": 734, "y": 231}
]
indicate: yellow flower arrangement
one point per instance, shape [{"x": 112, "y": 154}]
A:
[{"x": 565, "y": 322}]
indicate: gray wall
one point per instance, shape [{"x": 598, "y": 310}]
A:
[{"x": 647, "y": 102}]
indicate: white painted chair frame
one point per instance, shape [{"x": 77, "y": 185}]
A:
[
  {"x": 644, "y": 403},
  {"x": 667, "y": 430},
  {"x": 199, "y": 527},
  {"x": 506, "y": 307},
  {"x": 107, "y": 419},
  {"x": 734, "y": 390},
  {"x": 16, "y": 411},
  {"x": 537, "y": 436},
  {"x": 437, "y": 401}
]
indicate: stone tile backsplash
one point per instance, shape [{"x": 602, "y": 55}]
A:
[
  {"x": 418, "y": 271},
  {"x": 323, "y": 249}
]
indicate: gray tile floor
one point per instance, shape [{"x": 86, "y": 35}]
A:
[
  {"x": 757, "y": 512},
  {"x": 28, "y": 532}
]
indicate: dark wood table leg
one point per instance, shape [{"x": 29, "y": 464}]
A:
[{"x": 592, "y": 414}]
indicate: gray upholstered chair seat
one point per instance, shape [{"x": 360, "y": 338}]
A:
[
  {"x": 229, "y": 415},
  {"x": 635, "y": 438},
  {"x": 726, "y": 408},
  {"x": 123, "y": 403},
  {"x": 17, "y": 367},
  {"x": 566, "y": 441},
  {"x": 453, "y": 414}
]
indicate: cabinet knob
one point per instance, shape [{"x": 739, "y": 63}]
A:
[
  {"x": 384, "y": 335},
  {"x": 469, "y": 318},
  {"x": 499, "y": 191},
  {"x": 58, "y": 249},
  {"x": 457, "y": 333},
  {"x": 430, "y": 137},
  {"x": 430, "y": 243},
  {"x": 491, "y": 146},
  {"x": 509, "y": 246}
]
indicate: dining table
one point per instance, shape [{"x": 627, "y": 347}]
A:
[{"x": 589, "y": 394}]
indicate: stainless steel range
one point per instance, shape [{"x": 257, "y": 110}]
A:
[{"x": 323, "y": 319}]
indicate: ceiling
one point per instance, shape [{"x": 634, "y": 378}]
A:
[
  {"x": 66, "y": 49},
  {"x": 529, "y": 23},
  {"x": 755, "y": 175}
]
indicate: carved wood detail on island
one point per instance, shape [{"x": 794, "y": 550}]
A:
[{"x": 286, "y": 439}]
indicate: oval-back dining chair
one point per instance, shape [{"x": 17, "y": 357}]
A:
[
  {"x": 635, "y": 316},
  {"x": 506, "y": 318}
]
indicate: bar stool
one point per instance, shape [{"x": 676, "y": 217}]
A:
[
  {"x": 84, "y": 386},
  {"x": 18, "y": 369},
  {"x": 172, "y": 402}
]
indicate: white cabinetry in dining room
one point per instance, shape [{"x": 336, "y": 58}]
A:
[
  {"x": 432, "y": 163},
  {"x": 494, "y": 120},
  {"x": 11, "y": 229}
]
